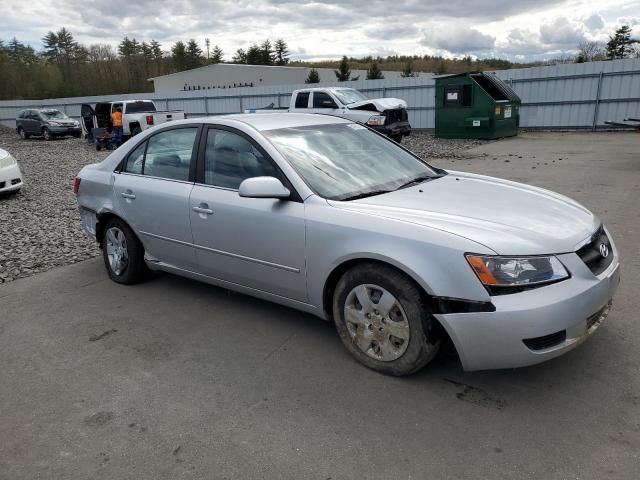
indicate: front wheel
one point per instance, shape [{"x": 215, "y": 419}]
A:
[
  {"x": 383, "y": 320},
  {"x": 46, "y": 133},
  {"x": 397, "y": 138},
  {"x": 123, "y": 253}
]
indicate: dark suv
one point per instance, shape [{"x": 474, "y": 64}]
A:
[{"x": 46, "y": 122}]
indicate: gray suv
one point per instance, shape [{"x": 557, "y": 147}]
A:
[{"x": 46, "y": 122}]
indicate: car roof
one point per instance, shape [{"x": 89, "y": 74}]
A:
[
  {"x": 273, "y": 121},
  {"x": 324, "y": 89}
]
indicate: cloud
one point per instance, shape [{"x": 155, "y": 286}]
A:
[
  {"x": 330, "y": 28},
  {"x": 561, "y": 32},
  {"x": 594, "y": 22},
  {"x": 457, "y": 39}
]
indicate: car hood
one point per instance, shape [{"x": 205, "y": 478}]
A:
[
  {"x": 381, "y": 104},
  {"x": 507, "y": 217}
]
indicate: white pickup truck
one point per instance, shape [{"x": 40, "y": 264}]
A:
[
  {"x": 386, "y": 115},
  {"x": 137, "y": 115}
]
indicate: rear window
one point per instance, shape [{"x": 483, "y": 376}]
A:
[
  {"x": 140, "y": 107},
  {"x": 302, "y": 100},
  {"x": 52, "y": 114}
]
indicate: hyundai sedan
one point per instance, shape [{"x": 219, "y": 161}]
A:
[{"x": 329, "y": 217}]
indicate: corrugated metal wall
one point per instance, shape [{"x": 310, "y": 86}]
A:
[{"x": 561, "y": 96}]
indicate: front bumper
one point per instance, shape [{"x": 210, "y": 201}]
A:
[
  {"x": 557, "y": 317},
  {"x": 10, "y": 179},
  {"x": 64, "y": 130},
  {"x": 397, "y": 128}
]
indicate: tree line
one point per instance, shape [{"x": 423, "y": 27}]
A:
[{"x": 66, "y": 68}]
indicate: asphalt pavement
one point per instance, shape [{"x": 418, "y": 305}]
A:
[{"x": 177, "y": 379}]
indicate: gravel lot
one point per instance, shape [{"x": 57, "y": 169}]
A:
[
  {"x": 40, "y": 224},
  {"x": 40, "y": 227}
]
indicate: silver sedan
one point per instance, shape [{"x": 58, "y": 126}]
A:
[{"x": 329, "y": 217}]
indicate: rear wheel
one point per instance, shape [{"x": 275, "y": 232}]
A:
[
  {"x": 46, "y": 133},
  {"x": 397, "y": 138},
  {"x": 135, "y": 131},
  {"x": 123, "y": 253},
  {"x": 23, "y": 135},
  {"x": 383, "y": 320}
]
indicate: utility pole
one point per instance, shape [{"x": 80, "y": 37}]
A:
[{"x": 207, "y": 43}]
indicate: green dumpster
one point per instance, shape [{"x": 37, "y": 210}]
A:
[{"x": 476, "y": 105}]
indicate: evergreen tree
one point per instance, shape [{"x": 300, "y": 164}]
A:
[
  {"x": 18, "y": 53},
  {"x": 313, "y": 76},
  {"x": 239, "y": 57},
  {"x": 374, "y": 73},
  {"x": 441, "y": 69},
  {"x": 620, "y": 44},
  {"x": 266, "y": 53},
  {"x": 343, "y": 73},
  {"x": 255, "y": 55},
  {"x": 193, "y": 54},
  {"x": 156, "y": 50},
  {"x": 281, "y": 52},
  {"x": 217, "y": 56},
  {"x": 407, "y": 70},
  {"x": 179, "y": 56}
]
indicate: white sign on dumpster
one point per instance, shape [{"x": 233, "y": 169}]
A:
[
  {"x": 507, "y": 111},
  {"x": 476, "y": 123}
]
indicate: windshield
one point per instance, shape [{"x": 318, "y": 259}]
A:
[
  {"x": 349, "y": 95},
  {"x": 140, "y": 107},
  {"x": 347, "y": 161},
  {"x": 52, "y": 114}
]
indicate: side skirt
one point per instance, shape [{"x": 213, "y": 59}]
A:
[{"x": 154, "y": 264}]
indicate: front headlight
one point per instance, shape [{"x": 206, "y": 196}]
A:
[
  {"x": 7, "y": 160},
  {"x": 497, "y": 271},
  {"x": 54, "y": 123},
  {"x": 376, "y": 120}
]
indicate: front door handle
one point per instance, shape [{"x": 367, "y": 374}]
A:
[
  {"x": 128, "y": 195},
  {"x": 203, "y": 210}
]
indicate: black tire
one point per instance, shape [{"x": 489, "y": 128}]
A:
[
  {"x": 397, "y": 138},
  {"x": 135, "y": 131},
  {"x": 424, "y": 338},
  {"x": 136, "y": 269},
  {"x": 46, "y": 133},
  {"x": 23, "y": 135}
]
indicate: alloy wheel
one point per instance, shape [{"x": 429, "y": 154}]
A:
[
  {"x": 376, "y": 322},
  {"x": 117, "y": 252}
]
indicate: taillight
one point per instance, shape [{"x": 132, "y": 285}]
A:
[
  {"x": 149, "y": 119},
  {"x": 76, "y": 185}
]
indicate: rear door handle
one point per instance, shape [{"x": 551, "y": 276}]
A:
[
  {"x": 128, "y": 195},
  {"x": 203, "y": 210}
]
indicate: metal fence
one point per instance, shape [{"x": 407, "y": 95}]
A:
[{"x": 560, "y": 96}]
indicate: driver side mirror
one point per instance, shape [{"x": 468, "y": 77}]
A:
[{"x": 263, "y": 187}]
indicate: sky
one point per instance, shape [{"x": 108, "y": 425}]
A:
[{"x": 517, "y": 30}]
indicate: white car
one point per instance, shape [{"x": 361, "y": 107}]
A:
[{"x": 10, "y": 175}]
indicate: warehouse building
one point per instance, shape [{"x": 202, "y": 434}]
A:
[{"x": 228, "y": 75}]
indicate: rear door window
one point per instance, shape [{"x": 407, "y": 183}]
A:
[
  {"x": 302, "y": 100},
  {"x": 166, "y": 155}
]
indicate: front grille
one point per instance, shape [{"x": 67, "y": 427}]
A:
[
  {"x": 548, "y": 341},
  {"x": 15, "y": 181},
  {"x": 396, "y": 115},
  {"x": 591, "y": 254}
]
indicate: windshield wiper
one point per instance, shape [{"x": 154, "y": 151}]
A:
[
  {"x": 418, "y": 180},
  {"x": 365, "y": 194}
]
